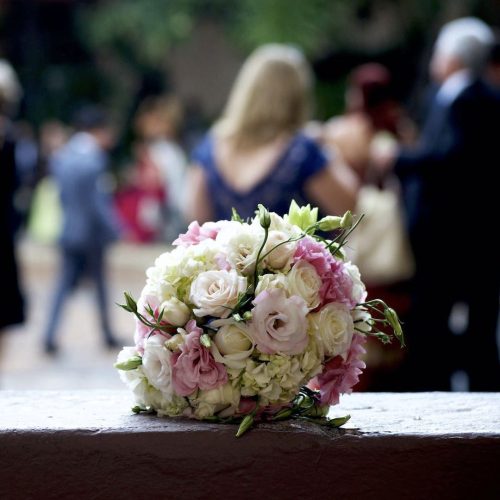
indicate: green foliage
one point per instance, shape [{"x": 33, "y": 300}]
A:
[
  {"x": 139, "y": 30},
  {"x": 305, "y": 23}
]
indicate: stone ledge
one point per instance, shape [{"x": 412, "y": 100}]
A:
[{"x": 86, "y": 444}]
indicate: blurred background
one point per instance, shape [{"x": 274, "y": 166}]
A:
[{"x": 163, "y": 69}]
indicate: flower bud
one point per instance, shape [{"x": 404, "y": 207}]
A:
[
  {"x": 330, "y": 223},
  {"x": 264, "y": 217},
  {"x": 129, "y": 364},
  {"x": 392, "y": 317},
  {"x": 246, "y": 423},
  {"x": 175, "y": 312},
  {"x": 347, "y": 220}
]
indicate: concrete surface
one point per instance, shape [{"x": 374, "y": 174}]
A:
[{"x": 87, "y": 444}]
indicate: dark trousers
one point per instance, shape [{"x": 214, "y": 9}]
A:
[
  {"x": 433, "y": 352},
  {"x": 75, "y": 264}
]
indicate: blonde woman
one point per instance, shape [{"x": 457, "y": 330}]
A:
[{"x": 256, "y": 153}]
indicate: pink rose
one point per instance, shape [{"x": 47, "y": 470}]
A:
[
  {"x": 142, "y": 331},
  {"x": 196, "y": 234},
  {"x": 279, "y": 323},
  {"x": 194, "y": 367},
  {"x": 337, "y": 285},
  {"x": 339, "y": 376}
]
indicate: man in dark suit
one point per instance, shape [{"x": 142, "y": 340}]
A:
[
  {"x": 451, "y": 206},
  {"x": 90, "y": 224}
]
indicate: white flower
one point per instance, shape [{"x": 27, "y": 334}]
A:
[
  {"x": 175, "y": 312},
  {"x": 144, "y": 393},
  {"x": 232, "y": 344},
  {"x": 157, "y": 365},
  {"x": 362, "y": 320},
  {"x": 215, "y": 293},
  {"x": 224, "y": 399},
  {"x": 334, "y": 328},
  {"x": 304, "y": 281},
  {"x": 279, "y": 254},
  {"x": 240, "y": 243},
  {"x": 269, "y": 281},
  {"x": 358, "y": 287}
]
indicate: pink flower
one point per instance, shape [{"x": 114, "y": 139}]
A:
[
  {"x": 196, "y": 234},
  {"x": 337, "y": 285},
  {"x": 279, "y": 323},
  {"x": 339, "y": 376},
  {"x": 142, "y": 331},
  {"x": 194, "y": 366}
]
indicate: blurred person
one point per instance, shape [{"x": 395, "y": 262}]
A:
[
  {"x": 374, "y": 119},
  {"x": 141, "y": 199},
  {"x": 45, "y": 219},
  {"x": 452, "y": 209},
  {"x": 373, "y": 114},
  {"x": 257, "y": 153},
  {"x": 12, "y": 299},
  {"x": 492, "y": 73},
  {"x": 89, "y": 224},
  {"x": 157, "y": 123}
]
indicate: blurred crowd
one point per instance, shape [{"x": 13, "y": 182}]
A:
[{"x": 426, "y": 188}]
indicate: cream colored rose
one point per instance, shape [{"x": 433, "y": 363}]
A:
[
  {"x": 175, "y": 312},
  {"x": 279, "y": 254},
  {"x": 268, "y": 281},
  {"x": 304, "y": 281},
  {"x": 215, "y": 293},
  {"x": 233, "y": 343},
  {"x": 334, "y": 328}
]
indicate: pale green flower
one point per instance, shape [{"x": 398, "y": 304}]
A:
[{"x": 302, "y": 217}]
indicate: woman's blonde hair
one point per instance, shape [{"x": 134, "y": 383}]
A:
[{"x": 270, "y": 97}]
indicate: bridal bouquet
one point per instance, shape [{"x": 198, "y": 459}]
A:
[{"x": 253, "y": 320}]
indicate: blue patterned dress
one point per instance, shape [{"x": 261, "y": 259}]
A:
[{"x": 301, "y": 159}]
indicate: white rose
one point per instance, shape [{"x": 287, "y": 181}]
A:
[
  {"x": 304, "y": 281},
  {"x": 232, "y": 344},
  {"x": 268, "y": 281},
  {"x": 334, "y": 328},
  {"x": 175, "y": 312},
  {"x": 157, "y": 365},
  {"x": 240, "y": 243},
  {"x": 215, "y": 293},
  {"x": 224, "y": 399},
  {"x": 279, "y": 254},
  {"x": 358, "y": 287}
]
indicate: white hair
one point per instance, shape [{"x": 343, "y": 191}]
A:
[
  {"x": 468, "y": 39},
  {"x": 10, "y": 88}
]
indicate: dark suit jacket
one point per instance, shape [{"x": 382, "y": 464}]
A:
[{"x": 448, "y": 180}]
